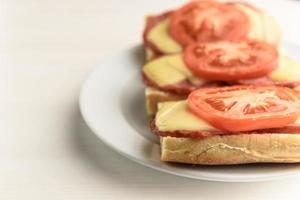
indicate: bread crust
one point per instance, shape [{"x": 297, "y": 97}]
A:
[
  {"x": 149, "y": 54},
  {"x": 232, "y": 149},
  {"x": 154, "y": 96}
]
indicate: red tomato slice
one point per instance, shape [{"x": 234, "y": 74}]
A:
[
  {"x": 205, "y": 21},
  {"x": 245, "y": 108},
  {"x": 231, "y": 60}
]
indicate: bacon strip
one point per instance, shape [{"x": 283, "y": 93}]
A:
[
  {"x": 290, "y": 129},
  {"x": 150, "y": 23}
]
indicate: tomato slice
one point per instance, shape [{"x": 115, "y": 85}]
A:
[
  {"x": 231, "y": 60},
  {"x": 245, "y": 108},
  {"x": 205, "y": 21}
]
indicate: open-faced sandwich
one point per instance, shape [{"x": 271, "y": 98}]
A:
[
  {"x": 206, "y": 21},
  {"x": 231, "y": 125}
]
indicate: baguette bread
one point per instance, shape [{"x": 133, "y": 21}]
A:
[
  {"x": 149, "y": 54},
  {"x": 232, "y": 149}
]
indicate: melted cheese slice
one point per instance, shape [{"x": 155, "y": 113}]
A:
[
  {"x": 288, "y": 70},
  {"x": 175, "y": 116},
  {"x": 159, "y": 36},
  {"x": 170, "y": 69},
  {"x": 263, "y": 27}
]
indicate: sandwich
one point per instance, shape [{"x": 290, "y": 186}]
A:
[
  {"x": 231, "y": 125},
  {"x": 207, "y": 21}
]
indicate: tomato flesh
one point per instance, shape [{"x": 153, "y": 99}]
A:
[
  {"x": 231, "y": 60},
  {"x": 245, "y": 108},
  {"x": 205, "y": 21}
]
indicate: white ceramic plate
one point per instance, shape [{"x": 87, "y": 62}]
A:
[{"x": 112, "y": 104}]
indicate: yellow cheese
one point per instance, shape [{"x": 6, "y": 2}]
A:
[
  {"x": 173, "y": 116},
  {"x": 169, "y": 69},
  {"x": 159, "y": 36},
  {"x": 272, "y": 30},
  {"x": 256, "y": 29},
  {"x": 288, "y": 70},
  {"x": 262, "y": 27}
]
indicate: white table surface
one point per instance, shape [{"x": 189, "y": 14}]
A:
[{"x": 47, "y": 49}]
